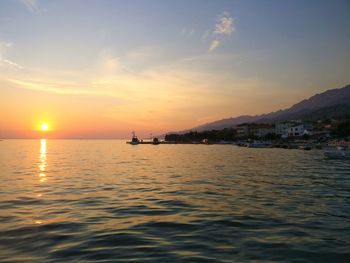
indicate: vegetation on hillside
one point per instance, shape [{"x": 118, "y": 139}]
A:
[{"x": 227, "y": 134}]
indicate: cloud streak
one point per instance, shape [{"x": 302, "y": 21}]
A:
[
  {"x": 145, "y": 91},
  {"x": 32, "y": 6},
  {"x": 214, "y": 45},
  {"x": 187, "y": 32},
  {"x": 10, "y": 64},
  {"x": 51, "y": 87},
  {"x": 5, "y": 62},
  {"x": 224, "y": 27}
]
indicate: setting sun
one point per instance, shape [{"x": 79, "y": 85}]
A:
[
  {"x": 44, "y": 127},
  {"x": 224, "y": 123}
]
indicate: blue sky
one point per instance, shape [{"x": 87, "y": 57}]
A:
[{"x": 215, "y": 58}]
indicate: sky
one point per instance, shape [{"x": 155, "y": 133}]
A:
[{"x": 103, "y": 68}]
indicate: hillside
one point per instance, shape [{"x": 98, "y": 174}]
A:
[{"x": 329, "y": 104}]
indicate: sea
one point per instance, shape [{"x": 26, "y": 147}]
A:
[{"x": 107, "y": 201}]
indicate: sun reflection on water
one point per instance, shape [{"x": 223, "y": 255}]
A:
[
  {"x": 42, "y": 170},
  {"x": 42, "y": 157}
]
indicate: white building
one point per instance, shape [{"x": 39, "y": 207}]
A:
[{"x": 298, "y": 130}]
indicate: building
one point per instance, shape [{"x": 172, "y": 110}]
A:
[
  {"x": 254, "y": 130},
  {"x": 299, "y": 130},
  {"x": 242, "y": 130},
  {"x": 282, "y": 128},
  {"x": 261, "y": 130}
]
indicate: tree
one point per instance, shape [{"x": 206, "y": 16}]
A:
[{"x": 343, "y": 129}]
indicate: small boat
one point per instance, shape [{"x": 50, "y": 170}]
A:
[
  {"x": 259, "y": 144},
  {"x": 338, "y": 153},
  {"x": 205, "y": 141},
  {"x": 134, "y": 140},
  {"x": 305, "y": 147},
  {"x": 222, "y": 142}
]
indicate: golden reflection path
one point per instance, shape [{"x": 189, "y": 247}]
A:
[
  {"x": 42, "y": 161},
  {"x": 42, "y": 169}
]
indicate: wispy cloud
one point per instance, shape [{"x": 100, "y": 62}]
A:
[
  {"x": 224, "y": 27},
  {"x": 5, "y": 62},
  {"x": 142, "y": 54},
  {"x": 32, "y": 6},
  {"x": 144, "y": 91},
  {"x": 48, "y": 87},
  {"x": 57, "y": 87},
  {"x": 214, "y": 44},
  {"x": 4, "y": 46},
  {"x": 10, "y": 64},
  {"x": 187, "y": 32},
  {"x": 224, "y": 24}
]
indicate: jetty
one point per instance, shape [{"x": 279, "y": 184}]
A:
[
  {"x": 155, "y": 141},
  {"x": 152, "y": 143}
]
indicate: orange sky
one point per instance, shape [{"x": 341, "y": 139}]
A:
[{"x": 111, "y": 67}]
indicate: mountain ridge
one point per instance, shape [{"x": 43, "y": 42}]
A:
[{"x": 326, "y": 100}]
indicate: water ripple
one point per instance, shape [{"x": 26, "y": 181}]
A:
[{"x": 105, "y": 201}]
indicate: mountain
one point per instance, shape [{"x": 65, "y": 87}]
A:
[{"x": 329, "y": 104}]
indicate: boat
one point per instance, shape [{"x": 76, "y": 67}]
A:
[
  {"x": 305, "y": 147},
  {"x": 338, "y": 153},
  {"x": 222, "y": 142},
  {"x": 134, "y": 139},
  {"x": 259, "y": 144}
]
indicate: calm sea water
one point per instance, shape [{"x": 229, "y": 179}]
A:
[{"x": 106, "y": 201}]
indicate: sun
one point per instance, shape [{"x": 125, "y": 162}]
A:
[{"x": 44, "y": 127}]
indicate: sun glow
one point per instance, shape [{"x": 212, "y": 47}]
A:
[{"x": 44, "y": 127}]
